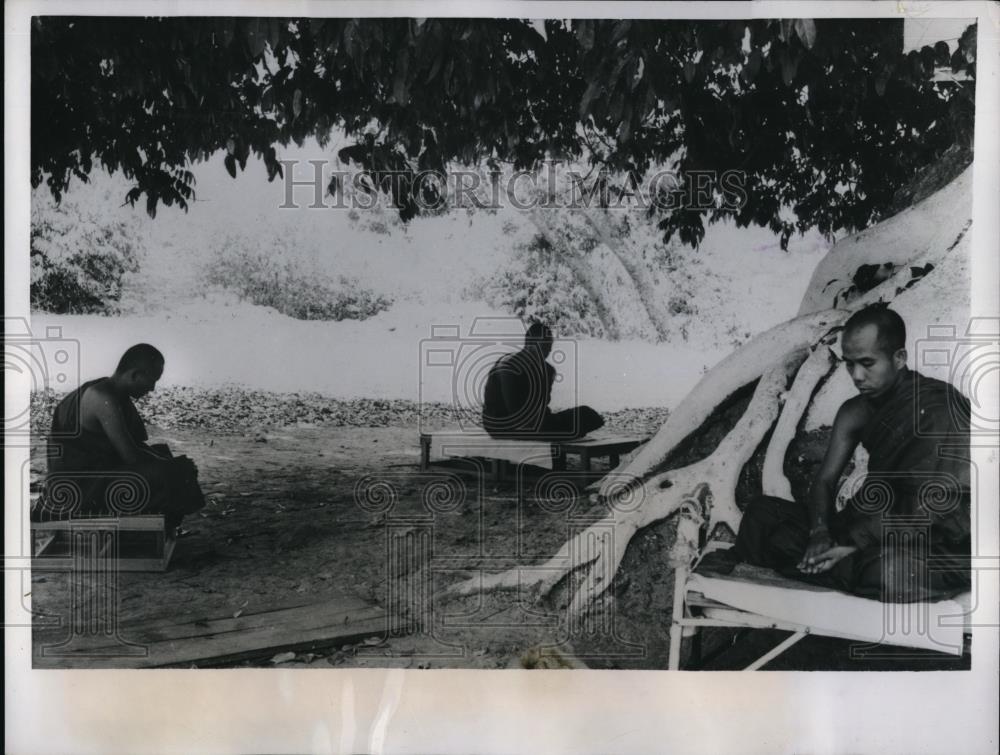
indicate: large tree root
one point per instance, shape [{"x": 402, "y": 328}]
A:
[
  {"x": 600, "y": 548},
  {"x": 815, "y": 368},
  {"x": 731, "y": 374}
]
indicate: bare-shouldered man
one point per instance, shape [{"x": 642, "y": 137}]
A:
[
  {"x": 916, "y": 432},
  {"x": 99, "y": 460},
  {"x": 517, "y": 394}
]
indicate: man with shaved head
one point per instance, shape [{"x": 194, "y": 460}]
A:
[
  {"x": 99, "y": 461},
  {"x": 517, "y": 394},
  {"x": 904, "y": 534}
]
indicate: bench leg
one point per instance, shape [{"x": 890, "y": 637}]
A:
[
  {"x": 41, "y": 542},
  {"x": 769, "y": 656},
  {"x": 676, "y": 629},
  {"x": 498, "y": 466},
  {"x": 697, "y": 647},
  {"x": 614, "y": 461},
  {"x": 585, "y": 460},
  {"x": 558, "y": 458},
  {"x": 425, "y": 452}
]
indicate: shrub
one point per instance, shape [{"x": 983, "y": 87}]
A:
[
  {"x": 279, "y": 281},
  {"x": 535, "y": 285},
  {"x": 375, "y": 219},
  {"x": 79, "y": 258}
]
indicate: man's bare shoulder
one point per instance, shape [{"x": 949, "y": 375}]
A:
[
  {"x": 853, "y": 414},
  {"x": 97, "y": 397}
]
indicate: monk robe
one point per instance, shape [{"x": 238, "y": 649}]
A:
[
  {"x": 87, "y": 477},
  {"x": 516, "y": 402},
  {"x": 910, "y": 519}
]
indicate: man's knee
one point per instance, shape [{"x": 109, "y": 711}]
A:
[
  {"x": 770, "y": 533},
  {"x": 162, "y": 448},
  {"x": 591, "y": 417},
  {"x": 184, "y": 466},
  {"x": 769, "y": 508}
]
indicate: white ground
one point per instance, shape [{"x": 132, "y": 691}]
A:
[{"x": 745, "y": 285}]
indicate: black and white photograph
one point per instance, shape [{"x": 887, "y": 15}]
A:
[{"x": 524, "y": 338}]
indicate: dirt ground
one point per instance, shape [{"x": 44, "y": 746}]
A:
[{"x": 318, "y": 513}]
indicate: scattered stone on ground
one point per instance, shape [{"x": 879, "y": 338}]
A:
[{"x": 237, "y": 410}]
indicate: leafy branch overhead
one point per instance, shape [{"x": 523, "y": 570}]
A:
[{"x": 808, "y": 110}]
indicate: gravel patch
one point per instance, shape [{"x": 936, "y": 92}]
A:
[{"x": 235, "y": 410}]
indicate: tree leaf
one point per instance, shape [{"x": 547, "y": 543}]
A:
[
  {"x": 593, "y": 89},
  {"x": 789, "y": 66},
  {"x": 805, "y": 29},
  {"x": 257, "y": 43},
  {"x": 538, "y": 25},
  {"x": 435, "y": 68},
  {"x": 230, "y": 162},
  {"x": 620, "y": 31}
]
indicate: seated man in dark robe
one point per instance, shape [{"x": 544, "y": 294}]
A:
[
  {"x": 904, "y": 535},
  {"x": 99, "y": 461},
  {"x": 517, "y": 394}
]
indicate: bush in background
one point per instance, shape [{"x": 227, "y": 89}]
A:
[
  {"x": 80, "y": 256},
  {"x": 276, "y": 279},
  {"x": 535, "y": 285}
]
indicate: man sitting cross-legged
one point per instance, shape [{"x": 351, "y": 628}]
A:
[
  {"x": 518, "y": 390},
  {"x": 904, "y": 535},
  {"x": 99, "y": 461}
]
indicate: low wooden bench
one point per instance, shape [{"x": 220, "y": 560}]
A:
[
  {"x": 545, "y": 454},
  {"x": 141, "y": 542}
]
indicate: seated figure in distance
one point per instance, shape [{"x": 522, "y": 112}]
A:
[{"x": 517, "y": 394}]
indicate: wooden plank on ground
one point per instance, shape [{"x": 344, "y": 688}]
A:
[{"x": 219, "y": 641}]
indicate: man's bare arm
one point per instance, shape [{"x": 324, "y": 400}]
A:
[{"x": 850, "y": 421}]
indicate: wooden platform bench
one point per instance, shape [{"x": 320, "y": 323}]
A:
[
  {"x": 503, "y": 451},
  {"x": 137, "y": 543}
]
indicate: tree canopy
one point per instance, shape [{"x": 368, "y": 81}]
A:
[{"x": 826, "y": 117}]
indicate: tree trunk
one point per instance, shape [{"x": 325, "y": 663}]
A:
[
  {"x": 583, "y": 274},
  {"x": 640, "y": 273}
]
